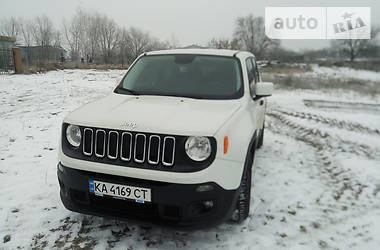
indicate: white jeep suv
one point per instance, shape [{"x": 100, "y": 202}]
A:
[{"x": 174, "y": 142}]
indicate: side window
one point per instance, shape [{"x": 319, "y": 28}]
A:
[
  {"x": 255, "y": 67},
  {"x": 249, "y": 64},
  {"x": 251, "y": 74}
]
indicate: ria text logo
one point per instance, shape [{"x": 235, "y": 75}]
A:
[{"x": 318, "y": 22}]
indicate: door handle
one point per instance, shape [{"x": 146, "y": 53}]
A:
[{"x": 261, "y": 102}]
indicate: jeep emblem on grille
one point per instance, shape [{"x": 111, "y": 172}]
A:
[{"x": 130, "y": 125}]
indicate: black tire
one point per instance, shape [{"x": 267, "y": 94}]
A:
[
  {"x": 244, "y": 200},
  {"x": 261, "y": 138}
]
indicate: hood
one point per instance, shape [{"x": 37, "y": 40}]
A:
[{"x": 156, "y": 114}]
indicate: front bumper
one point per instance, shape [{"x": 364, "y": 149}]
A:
[{"x": 172, "y": 204}]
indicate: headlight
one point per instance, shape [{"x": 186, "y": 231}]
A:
[
  {"x": 73, "y": 135},
  {"x": 198, "y": 148}
]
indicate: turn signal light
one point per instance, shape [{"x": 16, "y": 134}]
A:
[{"x": 225, "y": 145}]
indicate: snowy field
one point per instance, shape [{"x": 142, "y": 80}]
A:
[
  {"x": 343, "y": 72},
  {"x": 317, "y": 184}
]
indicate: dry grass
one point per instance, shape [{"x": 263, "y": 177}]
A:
[
  {"x": 286, "y": 68},
  {"x": 291, "y": 81},
  {"x": 93, "y": 66},
  {"x": 289, "y": 76},
  {"x": 367, "y": 65},
  {"x": 32, "y": 69}
]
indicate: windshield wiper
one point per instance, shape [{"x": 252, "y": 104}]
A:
[
  {"x": 185, "y": 96},
  {"x": 128, "y": 90},
  {"x": 133, "y": 92}
]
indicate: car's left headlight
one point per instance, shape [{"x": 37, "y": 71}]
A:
[
  {"x": 198, "y": 148},
  {"x": 73, "y": 135}
]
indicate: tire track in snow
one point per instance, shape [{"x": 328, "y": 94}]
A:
[
  {"x": 346, "y": 198},
  {"x": 334, "y": 141},
  {"x": 342, "y": 180},
  {"x": 353, "y": 126}
]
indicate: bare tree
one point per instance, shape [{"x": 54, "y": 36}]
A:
[
  {"x": 96, "y": 36},
  {"x": 57, "y": 39},
  {"x": 134, "y": 42},
  {"x": 156, "y": 44},
  {"x": 88, "y": 35},
  {"x": 108, "y": 37},
  {"x": 137, "y": 43},
  {"x": 224, "y": 44},
  {"x": 354, "y": 47},
  {"x": 43, "y": 36},
  {"x": 43, "y": 31},
  {"x": 74, "y": 32},
  {"x": 250, "y": 32},
  {"x": 122, "y": 46},
  {"x": 26, "y": 31},
  {"x": 92, "y": 46},
  {"x": 9, "y": 27},
  {"x": 173, "y": 42}
]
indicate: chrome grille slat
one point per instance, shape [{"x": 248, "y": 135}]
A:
[
  {"x": 104, "y": 142},
  {"x": 134, "y": 153},
  {"x": 84, "y": 141},
  {"x": 150, "y": 148},
  {"x": 168, "y": 164},
  {"x": 113, "y": 157},
  {"x": 130, "y": 146}
]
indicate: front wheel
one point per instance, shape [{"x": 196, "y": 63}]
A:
[
  {"x": 241, "y": 211},
  {"x": 261, "y": 138}
]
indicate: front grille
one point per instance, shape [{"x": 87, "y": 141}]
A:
[
  {"x": 127, "y": 146},
  {"x": 135, "y": 149}
]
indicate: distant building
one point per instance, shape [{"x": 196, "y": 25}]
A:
[
  {"x": 7, "y": 42},
  {"x": 33, "y": 54},
  {"x": 6, "y": 55}
]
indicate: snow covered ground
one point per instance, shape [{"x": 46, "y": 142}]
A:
[
  {"x": 317, "y": 184},
  {"x": 342, "y": 73}
]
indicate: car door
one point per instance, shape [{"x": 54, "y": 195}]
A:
[
  {"x": 261, "y": 103},
  {"x": 254, "y": 107}
]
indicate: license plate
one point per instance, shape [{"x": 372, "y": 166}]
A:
[{"x": 137, "y": 194}]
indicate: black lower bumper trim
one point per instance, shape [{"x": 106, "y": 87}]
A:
[{"x": 172, "y": 204}]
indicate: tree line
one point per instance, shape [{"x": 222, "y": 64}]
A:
[
  {"x": 249, "y": 34},
  {"x": 92, "y": 37},
  {"x": 88, "y": 37}
]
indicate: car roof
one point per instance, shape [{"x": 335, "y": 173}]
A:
[{"x": 215, "y": 52}]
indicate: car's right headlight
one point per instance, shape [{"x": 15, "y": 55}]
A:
[
  {"x": 198, "y": 148},
  {"x": 73, "y": 135}
]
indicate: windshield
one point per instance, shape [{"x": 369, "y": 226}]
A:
[{"x": 194, "y": 76}]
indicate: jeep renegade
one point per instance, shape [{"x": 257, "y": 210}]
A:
[{"x": 174, "y": 142}]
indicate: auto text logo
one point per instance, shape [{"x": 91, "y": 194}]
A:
[{"x": 318, "y": 22}]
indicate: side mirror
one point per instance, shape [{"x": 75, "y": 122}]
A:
[{"x": 263, "y": 89}]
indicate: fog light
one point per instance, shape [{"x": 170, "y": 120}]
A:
[
  {"x": 208, "y": 204},
  {"x": 204, "y": 188}
]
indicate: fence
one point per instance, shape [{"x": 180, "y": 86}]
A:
[{"x": 6, "y": 61}]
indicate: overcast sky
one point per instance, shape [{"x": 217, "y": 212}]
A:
[{"x": 190, "y": 22}]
